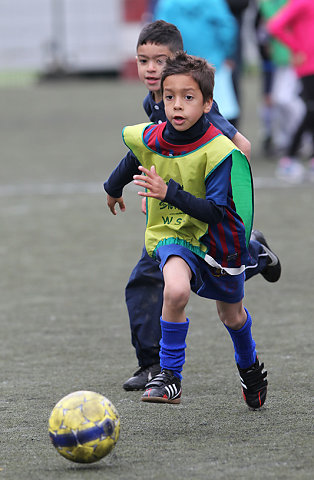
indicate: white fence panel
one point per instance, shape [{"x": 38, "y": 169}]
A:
[
  {"x": 25, "y": 33},
  {"x": 68, "y": 35}
]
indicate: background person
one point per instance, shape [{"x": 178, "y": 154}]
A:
[
  {"x": 144, "y": 290},
  {"x": 210, "y": 31},
  {"x": 293, "y": 25}
]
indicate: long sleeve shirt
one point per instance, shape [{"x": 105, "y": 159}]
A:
[
  {"x": 293, "y": 25},
  {"x": 209, "y": 210},
  {"x": 223, "y": 206}
]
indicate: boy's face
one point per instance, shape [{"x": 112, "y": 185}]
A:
[
  {"x": 184, "y": 103},
  {"x": 151, "y": 60}
]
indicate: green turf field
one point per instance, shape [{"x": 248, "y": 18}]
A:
[{"x": 65, "y": 261}]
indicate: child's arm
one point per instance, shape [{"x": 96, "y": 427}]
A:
[
  {"x": 280, "y": 24},
  {"x": 121, "y": 176},
  {"x": 220, "y": 122},
  {"x": 243, "y": 144},
  {"x": 111, "y": 201},
  {"x": 156, "y": 184},
  {"x": 209, "y": 210}
]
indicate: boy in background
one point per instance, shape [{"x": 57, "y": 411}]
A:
[
  {"x": 205, "y": 184},
  {"x": 144, "y": 291}
]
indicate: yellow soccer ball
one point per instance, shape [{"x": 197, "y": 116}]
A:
[{"x": 84, "y": 426}]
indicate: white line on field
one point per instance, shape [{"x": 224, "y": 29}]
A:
[
  {"x": 97, "y": 188},
  {"x": 50, "y": 189}
]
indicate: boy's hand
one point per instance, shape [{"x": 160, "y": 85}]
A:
[
  {"x": 153, "y": 182},
  {"x": 143, "y": 205},
  {"x": 111, "y": 201}
]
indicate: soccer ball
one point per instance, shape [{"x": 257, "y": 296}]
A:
[{"x": 84, "y": 426}]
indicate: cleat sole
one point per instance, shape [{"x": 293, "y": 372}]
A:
[{"x": 174, "y": 401}]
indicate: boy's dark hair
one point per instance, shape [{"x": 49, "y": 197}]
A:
[
  {"x": 198, "y": 68},
  {"x": 161, "y": 33}
]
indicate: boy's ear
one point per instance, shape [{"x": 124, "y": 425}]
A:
[{"x": 208, "y": 105}]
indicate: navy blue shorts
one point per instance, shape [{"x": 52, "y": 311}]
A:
[{"x": 206, "y": 281}]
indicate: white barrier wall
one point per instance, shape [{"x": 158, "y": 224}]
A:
[
  {"x": 72, "y": 35},
  {"x": 25, "y": 33}
]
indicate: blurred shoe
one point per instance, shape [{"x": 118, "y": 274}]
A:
[
  {"x": 164, "y": 388},
  {"x": 141, "y": 377},
  {"x": 310, "y": 174},
  {"x": 290, "y": 170},
  {"x": 306, "y": 147},
  {"x": 272, "y": 271},
  {"x": 254, "y": 384},
  {"x": 267, "y": 146}
]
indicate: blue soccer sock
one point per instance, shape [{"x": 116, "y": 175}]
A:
[
  {"x": 172, "y": 346},
  {"x": 243, "y": 342}
]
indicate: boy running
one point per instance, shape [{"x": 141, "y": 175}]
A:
[
  {"x": 144, "y": 291},
  {"x": 199, "y": 218}
]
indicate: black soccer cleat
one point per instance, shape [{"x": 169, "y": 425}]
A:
[
  {"x": 164, "y": 388},
  {"x": 254, "y": 384},
  {"x": 141, "y": 377},
  {"x": 272, "y": 271}
]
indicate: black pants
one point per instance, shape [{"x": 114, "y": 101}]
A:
[{"x": 307, "y": 125}]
